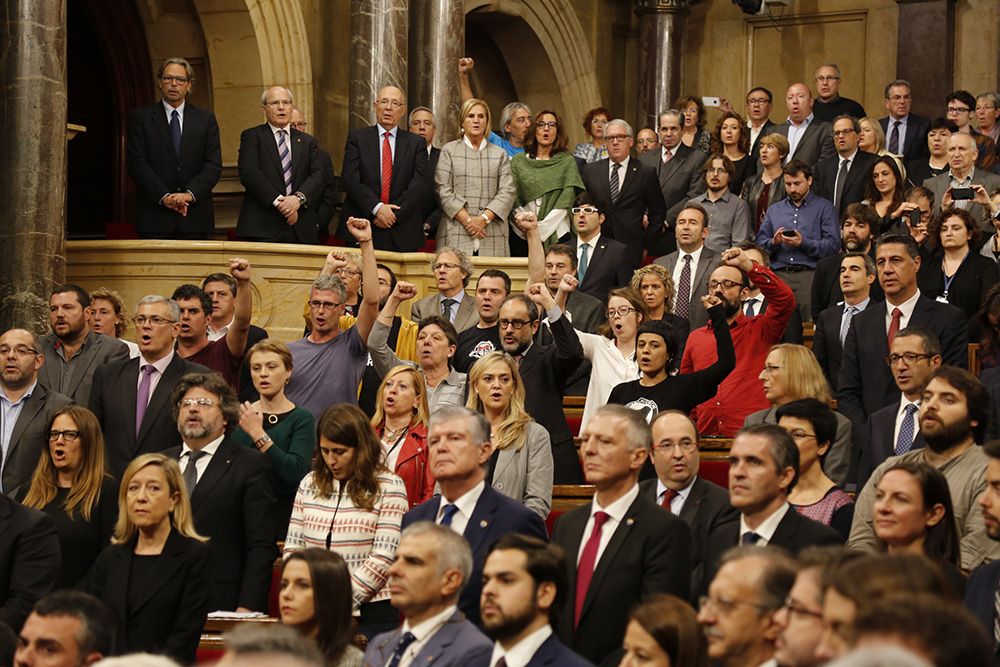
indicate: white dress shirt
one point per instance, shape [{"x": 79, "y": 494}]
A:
[
  {"x": 160, "y": 365},
  {"x": 201, "y": 464},
  {"x": 170, "y": 112},
  {"x": 767, "y": 527},
  {"x": 423, "y": 632},
  {"x": 899, "y": 420},
  {"x": 677, "y": 503},
  {"x": 795, "y": 133},
  {"x": 521, "y": 653},
  {"x": 616, "y": 513},
  {"x": 216, "y": 334},
  {"x": 466, "y": 505},
  {"x": 695, "y": 257},
  {"x": 392, "y": 150},
  {"x": 590, "y": 253},
  {"x": 906, "y": 308}
]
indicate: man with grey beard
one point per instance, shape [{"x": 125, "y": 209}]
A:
[{"x": 232, "y": 496}]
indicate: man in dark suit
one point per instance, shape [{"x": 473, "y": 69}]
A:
[
  {"x": 857, "y": 273},
  {"x": 905, "y": 133},
  {"x": 545, "y": 370},
  {"x": 432, "y": 565},
  {"x": 29, "y": 560},
  {"x": 842, "y": 178},
  {"x": 73, "y": 352},
  {"x": 524, "y": 584},
  {"x": 66, "y": 628},
  {"x": 173, "y": 155},
  {"x": 627, "y": 189},
  {"x": 763, "y": 468},
  {"x": 132, "y": 426},
  {"x": 858, "y": 228},
  {"x": 760, "y": 103},
  {"x": 894, "y": 429},
  {"x": 281, "y": 170},
  {"x": 421, "y": 122},
  {"x": 384, "y": 177},
  {"x": 459, "y": 445},
  {"x": 621, "y": 548},
  {"x": 232, "y": 497},
  {"x": 691, "y": 230},
  {"x": 809, "y": 140},
  {"x": 677, "y": 488},
  {"x": 328, "y": 200},
  {"x": 28, "y": 403},
  {"x": 865, "y": 384},
  {"x": 601, "y": 262},
  {"x": 222, "y": 288},
  {"x": 678, "y": 167},
  {"x": 980, "y": 593}
]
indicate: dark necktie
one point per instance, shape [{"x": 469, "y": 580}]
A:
[
  {"x": 750, "y": 538},
  {"x": 386, "y": 168},
  {"x": 668, "y": 496},
  {"x": 401, "y": 646},
  {"x": 897, "y": 315},
  {"x": 588, "y": 559},
  {"x": 175, "y": 131},
  {"x": 142, "y": 398},
  {"x": 581, "y": 269},
  {"x": 502, "y": 662},
  {"x": 845, "y": 322},
  {"x": 682, "y": 304},
  {"x": 615, "y": 182},
  {"x": 449, "y": 513},
  {"x": 446, "y": 305},
  {"x": 749, "y": 312},
  {"x": 838, "y": 189},
  {"x": 894, "y": 137},
  {"x": 285, "y": 155},
  {"x": 191, "y": 471},
  {"x": 904, "y": 442}
]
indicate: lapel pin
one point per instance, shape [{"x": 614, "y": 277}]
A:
[
  {"x": 629, "y": 521},
  {"x": 484, "y": 523}
]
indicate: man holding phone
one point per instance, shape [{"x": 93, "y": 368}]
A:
[{"x": 960, "y": 186}]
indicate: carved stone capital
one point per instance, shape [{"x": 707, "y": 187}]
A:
[{"x": 661, "y": 6}]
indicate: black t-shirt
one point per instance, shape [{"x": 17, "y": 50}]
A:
[{"x": 473, "y": 344}]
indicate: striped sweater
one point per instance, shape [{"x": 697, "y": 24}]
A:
[{"x": 366, "y": 539}]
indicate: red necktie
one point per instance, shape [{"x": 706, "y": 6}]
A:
[
  {"x": 386, "y": 168},
  {"x": 588, "y": 559},
  {"x": 897, "y": 314},
  {"x": 668, "y": 495}
]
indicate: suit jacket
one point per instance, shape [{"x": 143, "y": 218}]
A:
[
  {"x": 261, "y": 175},
  {"x": 767, "y": 129},
  {"x": 172, "y": 602},
  {"x": 362, "y": 177},
  {"x": 709, "y": 260},
  {"x": 551, "y": 652},
  {"x": 247, "y": 391},
  {"x": 980, "y": 599},
  {"x": 915, "y": 141},
  {"x": 113, "y": 399},
  {"x": 880, "y": 445},
  {"x": 826, "y": 342},
  {"x": 825, "y": 178},
  {"x": 706, "y": 511},
  {"x": 680, "y": 179},
  {"x": 640, "y": 194},
  {"x": 865, "y": 383},
  {"x": 457, "y": 643},
  {"x": 649, "y": 553},
  {"x": 816, "y": 143},
  {"x": 233, "y": 505},
  {"x": 607, "y": 268},
  {"x": 793, "y": 330},
  {"x": 940, "y": 183},
  {"x": 30, "y": 435},
  {"x": 431, "y": 305},
  {"x": 97, "y": 350},
  {"x": 29, "y": 560},
  {"x": 525, "y": 474},
  {"x": 588, "y": 312},
  {"x": 826, "y": 284},
  {"x": 432, "y": 210},
  {"x": 327, "y": 200},
  {"x": 158, "y": 170}
]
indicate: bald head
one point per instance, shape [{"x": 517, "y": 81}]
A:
[
  {"x": 390, "y": 105},
  {"x": 799, "y": 101}
]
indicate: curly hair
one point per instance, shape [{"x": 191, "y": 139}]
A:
[
  {"x": 744, "y": 143},
  {"x": 661, "y": 274}
]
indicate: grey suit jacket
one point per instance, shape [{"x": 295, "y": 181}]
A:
[
  {"x": 680, "y": 178},
  {"x": 28, "y": 437},
  {"x": 455, "y": 644},
  {"x": 525, "y": 475},
  {"x": 586, "y": 312},
  {"x": 697, "y": 314},
  {"x": 838, "y": 458},
  {"x": 97, "y": 350},
  {"x": 816, "y": 143},
  {"x": 939, "y": 185},
  {"x": 431, "y": 305}
]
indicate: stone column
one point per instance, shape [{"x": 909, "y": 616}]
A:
[
  {"x": 661, "y": 29},
  {"x": 32, "y": 159},
  {"x": 925, "y": 52},
  {"x": 437, "y": 41},
  {"x": 379, "y": 33}
]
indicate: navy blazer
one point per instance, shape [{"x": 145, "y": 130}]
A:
[
  {"x": 607, "y": 268},
  {"x": 495, "y": 516},
  {"x": 979, "y": 599},
  {"x": 29, "y": 560},
  {"x": 457, "y": 643},
  {"x": 915, "y": 141},
  {"x": 826, "y": 342},
  {"x": 551, "y": 652},
  {"x": 879, "y": 445}
]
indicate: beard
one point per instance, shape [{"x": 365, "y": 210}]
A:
[
  {"x": 855, "y": 245},
  {"x": 941, "y": 437},
  {"x": 194, "y": 431},
  {"x": 508, "y": 627}
]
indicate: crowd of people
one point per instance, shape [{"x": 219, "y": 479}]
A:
[{"x": 405, "y": 466}]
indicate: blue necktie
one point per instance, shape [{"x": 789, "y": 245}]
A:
[
  {"x": 904, "y": 442},
  {"x": 581, "y": 270},
  {"x": 750, "y": 538},
  {"x": 845, "y": 323},
  {"x": 449, "y": 514},
  {"x": 175, "y": 131},
  {"x": 401, "y": 646}
]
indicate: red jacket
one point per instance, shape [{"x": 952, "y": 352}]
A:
[
  {"x": 413, "y": 466},
  {"x": 741, "y": 392}
]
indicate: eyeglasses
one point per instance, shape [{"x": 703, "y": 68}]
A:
[
  {"x": 68, "y": 435},
  {"x": 724, "y": 606},
  {"x": 686, "y": 446},
  {"x": 619, "y": 312},
  {"x": 598, "y": 122},
  {"x": 517, "y": 324},
  {"x": 958, "y": 109},
  {"x": 909, "y": 357},
  {"x": 548, "y": 125},
  {"x": 724, "y": 284},
  {"x": 899, "y": 98},
  {"x": 446, "y": 265},
  {"x": 615, "y": 138},
  {"x": 771, "y": 370},
  {"x": 202, "y": 402},
  {"x": 824, "y": 79},
  {"x": 278, "y": 103},
  {"x": 577, "y": 210},
  {"x": 799, "y": 434},
  {"x": 843, "y": 133},
  {"x": 19, "y": 350},
  {"x": 348, "y": 272},
  {"x": 985, "y": 107},
  {"x": 154, "y": 321},
  {"x": 392, "y": 104},
  {"x": 324, "y": 305},
  {"x": 174, "y": 79},
  {"x": 299, "y": 126},
  {"x": 794, "y": 607},
  {"x": 754, "y": 101}
]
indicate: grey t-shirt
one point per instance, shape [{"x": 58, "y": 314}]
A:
[{"x": 326, "y": 373}]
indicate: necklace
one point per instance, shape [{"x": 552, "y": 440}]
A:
[
  {"x": 272, "y": 419},
  {"x": 392, "y": 435}
]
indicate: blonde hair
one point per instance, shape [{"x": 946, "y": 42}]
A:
[
  {"x": 661, "y": 274},
  {"x": 467, "y": 108},
  {"x": 801, "y": 373},
  {"x": 779, "y": 141},
  {"x": 181, "y": 518},
  {"x": 420, "y": 412},
  {"x": 512, "y": 432},
  {"x": 879, "y": 133}
]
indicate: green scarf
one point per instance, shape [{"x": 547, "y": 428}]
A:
[{"x": 556, "y": 181}]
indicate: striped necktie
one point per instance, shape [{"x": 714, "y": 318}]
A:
[{"x": 285, "y": 155}]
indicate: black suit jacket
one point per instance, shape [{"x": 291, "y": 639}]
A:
[
  {"x": 826, "y": 342},
  {"x": 29, "y": 560},
  {"x": 707, "y": 512},
  {"x": 607, "y": 268},
  {"x": 640, "y": 194},
  {"x": 247, "y": 391},
  {"x": 551, "y": 652},
  {"x": 363, "y": 184},
  {"x": 915, "y": 141},
  {"x": 793, "y": 330},
  {"x": 825, "y": 178},
  {"x": 879, "y": 445},
  {"x": 260, "y": 174},
  {"x": 980, "y": 599},
  {"x": 432, "y": 211},
  {"x": 826, "y": 284},
  {"x": 158, "y": 170},
  {"x": 172, "y": 602},
  {"x": 327, "y": 200},
  {"x": 112, "y": 399},
  {"x": 495, "y": 516},
  {"x": 233, "y": 505},
  {"x": 680, "y": 179},
  {"x": 815, "y": 145},
  {"x": 767, "y": 129},
  {"x": 649, "y": 553},
  {"x": 545, "y": 371},
  {"x": 29, "y": 436}
]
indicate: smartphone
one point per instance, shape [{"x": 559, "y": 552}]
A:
[
  {"x": 788, "y": 232},
  {"x": 963, "y": 193},
  {"x": 711, "y": 101},
  {"x": 914, "y": 215}
]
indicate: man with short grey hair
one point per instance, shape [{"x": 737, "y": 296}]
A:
[
  {"x": 829, "y": 104},
  {"x": 460, "y": 447},
  {"x": 678, "y": 166},
  {"x": 962, "y": 173},
  {"x": 905, "y": 132},
  {"x": 265, "y": 645},
  {"x": 433, "y": 563}
]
